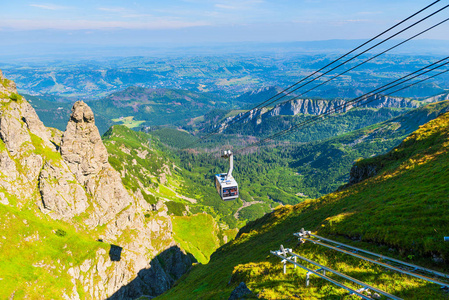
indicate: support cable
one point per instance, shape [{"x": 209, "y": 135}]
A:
[
  {"x": 264, "y": 104},
  {"x": 357, "y": 100}
]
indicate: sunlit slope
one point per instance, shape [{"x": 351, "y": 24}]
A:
[
  {"x": 400, "y": 212},
  {"x": 38, "y": 252}
]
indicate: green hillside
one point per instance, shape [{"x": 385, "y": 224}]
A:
[
  {"x": 149, "y": 107},
  {"x": 48, "y": 249},
  {"x": 400, "y": 212}
]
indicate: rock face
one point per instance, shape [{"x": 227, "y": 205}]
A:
[
  {"x": 240, "y": 292},
  {"x": 360, "y": 173},
  {"x": 81, "y": 145},
  {"x": 7, "y": 86},
  {"x": 87, "y": 158},
  {"x": 155, "y": 280},
  {"x": 73, "y": 182},
  {"x": 62, "y": 196},
  {"x": 317, "y": 107}
]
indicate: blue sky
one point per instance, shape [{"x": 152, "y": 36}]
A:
[{"x": 142, "y": 22}]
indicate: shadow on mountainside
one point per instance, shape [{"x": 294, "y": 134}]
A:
[{"x": 167, "y": 267}]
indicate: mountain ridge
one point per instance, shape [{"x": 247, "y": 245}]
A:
[{"x": 322, "y": 106}]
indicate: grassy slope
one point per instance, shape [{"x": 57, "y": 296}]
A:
[
  {"x": 197, "y": 234},
  {"x": 47, "y": 250},
  {"x": 401, "y": 212}
]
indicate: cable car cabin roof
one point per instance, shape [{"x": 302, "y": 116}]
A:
[{"x": 226, "y": 182}]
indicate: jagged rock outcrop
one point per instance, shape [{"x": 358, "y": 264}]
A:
[
  {"x": 317, "y": 107},
  {"x": 7, "y": 87},
  {"x": 21, "y": 132},
  {"x": 87, "y": 158},
  {"x": 81, "y": 145},
  {"x": 68, "y": 177},
  {"x": 17, "y": 116}
]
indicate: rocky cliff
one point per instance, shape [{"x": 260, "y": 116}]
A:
[
  {"x": 64, "y": 179},
  {"x": 318, "y": 107}
]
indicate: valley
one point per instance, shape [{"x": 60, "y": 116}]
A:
[
  {"x": 384, "y": 213},
  {"x": 120, "y": 194},
  {"x": 224, "y": 150}
]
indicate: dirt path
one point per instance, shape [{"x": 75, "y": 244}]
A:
[{"x": 245, "y": 204}]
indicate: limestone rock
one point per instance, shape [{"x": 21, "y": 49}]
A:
[
  {"x": 85, "y": 154},
  {"x": 13, "y": 131},
  {"x": 62, "y": 196},
  {"x": 18, "y": 120},
  {"x": 317, "y": 107},
  {"x": 8, "y": 166},
  {"x": 7, "y": 86},
  {"x": 81, "y": 145},
  {"x": 34, "y": 124}
]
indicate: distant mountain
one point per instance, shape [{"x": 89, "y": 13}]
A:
[
  {"x": 260, "y": 95},
  {"x": 262, "y": 122},
  {"x": 225, "y": 74},
  {"x": 143, "y": 107},
  {"x": 326, "y": 164}
]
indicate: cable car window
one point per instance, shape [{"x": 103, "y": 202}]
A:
[{"x": 230, "y": 191}]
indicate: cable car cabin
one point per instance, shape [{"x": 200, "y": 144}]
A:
[{"x": 226, "y": 186}]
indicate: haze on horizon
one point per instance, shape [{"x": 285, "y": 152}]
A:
[{"x": 43, "y": 25}]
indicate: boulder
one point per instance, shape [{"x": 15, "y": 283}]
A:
[{"x": 239, "y": 292}]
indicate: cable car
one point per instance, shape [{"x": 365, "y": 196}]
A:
[{"x": 225, "y": 184}]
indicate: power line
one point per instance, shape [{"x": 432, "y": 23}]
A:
[
  {"x": 383, "y": 52},
  {"x": 358, "y": 100},
  {"x": 343, "y": 56},
  {"x": 416, "y": 35},
  {"x": 371, "y": 58},
  {"x": 365, "y": 43}
]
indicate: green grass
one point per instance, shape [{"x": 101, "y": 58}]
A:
[
  {"x": 175, "y": 208},
  {"x": 40, "y": 271},
  {"x": 254, "y": 211},
  {"x": 128, "y": 121},
  {"x": 197, "y": 234},
  {"x": 166, "y": 192},
  {"x": 401, "y": 212}
]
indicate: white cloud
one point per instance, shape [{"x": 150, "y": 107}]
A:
[
  {"x": 238, "y": 5},
  {"x": 225, "y": 6},
  {"x": 136, "y": 16},
  {"x": 92, "y": 25},
  {"x": 50, "y": 6},
  {"x": 113, "y": 9}
]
